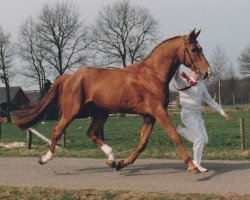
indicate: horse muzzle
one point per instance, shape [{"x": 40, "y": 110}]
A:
[{"x": 207, "y": 75}]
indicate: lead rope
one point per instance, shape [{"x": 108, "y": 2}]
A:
[{"x": 183, "y": 89}]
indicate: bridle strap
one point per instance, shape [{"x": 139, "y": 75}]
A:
[
  {"x": 183, "y": 89},
  {"x": 186, "y": 50}
]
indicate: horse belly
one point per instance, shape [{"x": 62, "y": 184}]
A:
[{"x": 116, "y": 100}]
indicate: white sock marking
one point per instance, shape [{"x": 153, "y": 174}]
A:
[
  {"x": 108, "y": 151},
  {"x": 47, "y": 157}
]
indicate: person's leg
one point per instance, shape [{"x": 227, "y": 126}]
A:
[
  {"x": 190, "y": 121},
  {"x": 183, "y": 131},
  {"x": 198, "y": 149},
  {"x": 205, "y": 141},
  {"x": 203, "y": 129},
  {"x": 193, "y": 133}
]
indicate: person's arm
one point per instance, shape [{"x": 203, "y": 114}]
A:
[{"x": 208, "y": 99}]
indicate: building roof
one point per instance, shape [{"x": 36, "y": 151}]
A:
[
  {"x": 33, "y": 96},
  {"x": 13, "y": 92}
]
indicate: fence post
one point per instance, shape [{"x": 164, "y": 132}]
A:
[
  {"x": 64, "y": 139},
  {"x": 29, "y": 138},
  {"x": 242, "y": 134}
]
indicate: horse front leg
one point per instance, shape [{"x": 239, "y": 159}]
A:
[
  {"x": 98, "y": 121},
  {"x": 162, "y": 117},
  {"x": 147, "y": 126}
]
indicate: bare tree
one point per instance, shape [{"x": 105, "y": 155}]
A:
[
  {"x": 123, "y": 33},
  {"x": 244, "y": 61},
  {"x": 6, "y": 59},
  {"x": 63, "y": 36},
  {"x": 218, "y": 61},
  {"x": 232, "y": 83},
  {"x": 32, "y": 53}
]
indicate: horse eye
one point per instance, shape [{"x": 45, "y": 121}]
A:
[{"x": 195, "y": 49}]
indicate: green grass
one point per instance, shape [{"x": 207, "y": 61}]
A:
[
  {"x": 16, "y": 193},
  {"x": 122, "y": 134}
]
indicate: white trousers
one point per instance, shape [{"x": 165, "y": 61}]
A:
[{"x": 194, "y": 132}]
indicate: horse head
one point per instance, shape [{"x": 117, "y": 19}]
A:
[{"x": 192, "y": 55}]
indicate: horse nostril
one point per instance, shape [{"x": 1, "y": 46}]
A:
[{"x": 207, "y": 75}]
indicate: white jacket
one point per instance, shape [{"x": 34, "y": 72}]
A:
[{"x": 192, "y": 97}]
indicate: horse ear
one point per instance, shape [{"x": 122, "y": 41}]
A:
[
  {"x": 198, "y": 33},
  {"x": 193, "y": 35}
]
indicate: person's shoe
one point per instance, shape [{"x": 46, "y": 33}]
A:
[{"x": 202, "y": 169}]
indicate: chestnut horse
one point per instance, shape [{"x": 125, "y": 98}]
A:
[{"x": 141, "y": 88}]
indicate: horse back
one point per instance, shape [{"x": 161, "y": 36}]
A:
[{"x": 109, "y": 88}]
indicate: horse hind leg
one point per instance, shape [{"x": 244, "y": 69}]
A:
[
  {"x": 98, "y": 121},
  {"x": 68, "y": 114},
  {"x": 56, "y": 134},
  {"x": 147, "y": 126}
]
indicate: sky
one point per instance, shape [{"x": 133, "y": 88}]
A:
[{"x": 223, "y": 23}]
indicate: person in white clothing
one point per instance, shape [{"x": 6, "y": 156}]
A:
[{"x": 192, "y": 91}]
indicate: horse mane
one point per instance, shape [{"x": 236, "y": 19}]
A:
[{"x": 167, "y": 40}]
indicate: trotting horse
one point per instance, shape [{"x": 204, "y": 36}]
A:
[{"x": 141, "y": 88}]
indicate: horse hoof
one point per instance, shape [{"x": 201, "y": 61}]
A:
[
  {"x": 118, "y": 166},
  {"x": 40, "y": 161},
  {"x": 111, "y": 163},
  {"x": 194, "y": 170}
]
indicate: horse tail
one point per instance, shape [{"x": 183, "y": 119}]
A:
[{"x": 28, "y": 117}]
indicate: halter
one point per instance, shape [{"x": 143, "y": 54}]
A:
[
  {"x": 186, "y": 50},
  {"x": 183, "y": 89},
  {"x": 196, "y": 68}
]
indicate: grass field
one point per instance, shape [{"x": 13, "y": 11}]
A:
[{"x": 122, "y": 134}]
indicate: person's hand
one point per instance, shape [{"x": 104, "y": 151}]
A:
[{"x": 227, "y": 117}]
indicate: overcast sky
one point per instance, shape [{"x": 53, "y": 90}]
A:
[{"x": 224, "y": 23}]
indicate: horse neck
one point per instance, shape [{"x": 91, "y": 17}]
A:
[{"x": 164, "y": 59}]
